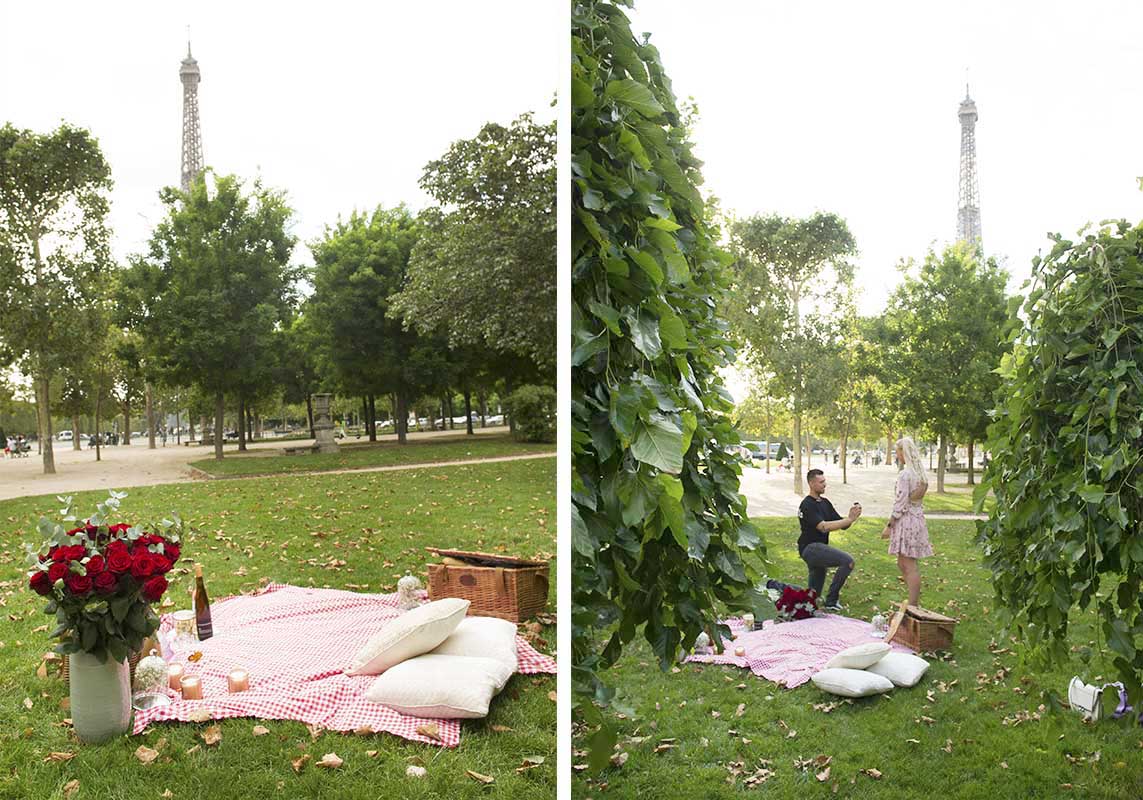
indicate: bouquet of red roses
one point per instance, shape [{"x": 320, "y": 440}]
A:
[
  {"x": 796, "y": 603},
  {"x": 101, "y": 579}
]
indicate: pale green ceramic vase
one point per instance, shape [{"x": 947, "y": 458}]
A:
[{"x": 100, "y": 697}]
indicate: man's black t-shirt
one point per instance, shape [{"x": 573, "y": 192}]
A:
[{"x": 810, "y": 513}]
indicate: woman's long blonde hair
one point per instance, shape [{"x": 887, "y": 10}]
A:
[{"x": 913, "y": 461}]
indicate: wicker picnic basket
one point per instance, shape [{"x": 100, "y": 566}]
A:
[
  {"x": 921, "y": 629},
  {"x": 498, "y": 586}
]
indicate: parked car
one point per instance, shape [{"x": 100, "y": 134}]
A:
[
  {"x": 496, "y": 419},
  {"x": 64, "y": 436}
]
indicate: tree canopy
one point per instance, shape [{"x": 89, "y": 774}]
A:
[
  {"x": 484, "y": 269},
  {"x": 54, "y": 254}
]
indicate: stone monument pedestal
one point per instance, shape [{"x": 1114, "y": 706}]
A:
[{"x": 323, "y": 425}]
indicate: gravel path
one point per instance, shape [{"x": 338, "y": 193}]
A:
[{"x": 136, "y": 465}]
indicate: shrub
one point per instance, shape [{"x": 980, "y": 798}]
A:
[{"x": 533, "y": 410}]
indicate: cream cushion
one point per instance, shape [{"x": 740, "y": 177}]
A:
[
  {"x": 411, "y": 634},
  {"x": 859, "y": 656},
  {"x": 441, "y": 687},
  {"x": 904, "y": 669},
  {"x": 483, "y": 637},
  {"x": 851, "y": 682}
]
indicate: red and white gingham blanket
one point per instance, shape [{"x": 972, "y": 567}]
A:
[
  {"x": 295, "y": 643},
  {"x": 789, "y": 653}
]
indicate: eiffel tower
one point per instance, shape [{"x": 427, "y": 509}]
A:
[
  {"x": 192, "y": 133},
  {"x": 968, "y": 205}
]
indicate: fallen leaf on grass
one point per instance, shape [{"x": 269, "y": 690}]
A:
[
  {"x": 1004, "y": 765},
  {"x": 70, "y": 788},
  {"x": 948, "y": 746},
  {"x": 619, "y": 759},
  {"x": 500, "y": 728},
  {"x": 28, "y": 703},
  {"x": 791, "y": 734},
  {"x": 194, "y": 749},
  {"x": 167, "y": 794},
  {"x": 823, "y": 776},
  {"x": 315, "y": 731},
  {"x": 738, "y": 712},
  {"x": 431, "y": 730},
  {"x": 476, "y": 776},
  {"x": 212, "y": 735},
  {"x": 145, "y": 754},
  {"x": 552, "y": 696},
  {"x": 199, "y": 715},
  {"x": 260, "y": 730},
  {"x": 371, "y": 753},
  {"x": 531, "y": 762},
  {"x": 300, "y": 762},
  {"x": 875, "y": 774},
  {"x": 59, "y": 757},
  {"x": 413, "y": 771},
  {"x": 330, "y": 761}
]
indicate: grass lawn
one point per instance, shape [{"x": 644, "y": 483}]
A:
[
  {"x": 955, "y": 499},
  {"x": 360, "y": 455},
  {"x": 298, "y": 530},
  {"x": 972, "y": 728}
]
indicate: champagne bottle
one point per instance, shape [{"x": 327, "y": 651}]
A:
[{"x": 201, "y": 606}]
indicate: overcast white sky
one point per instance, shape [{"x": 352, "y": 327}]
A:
[
  {"x": 852, "y": 108},
  {"x": 339, "y": 103}
]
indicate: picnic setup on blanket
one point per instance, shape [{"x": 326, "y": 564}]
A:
[
  {"x": 410, "y": 663},
  {"x": 840, "y": 655}
]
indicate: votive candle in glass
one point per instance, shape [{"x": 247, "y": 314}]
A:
[
  {"x": 174, "y": 675},
  {"x": 738, "y": 651},
  {"x": 192, "y": 688},
  {"x": 239, "y": 680}
]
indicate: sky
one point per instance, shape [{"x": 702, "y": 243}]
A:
[
  {"x": 852, "y": 108},
  {"x": 340, "y": 104}
]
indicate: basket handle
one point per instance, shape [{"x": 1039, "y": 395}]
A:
[{"x": 898, "y": 618}]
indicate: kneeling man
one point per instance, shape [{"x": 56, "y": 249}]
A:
[{"x": 818, "y": 517}]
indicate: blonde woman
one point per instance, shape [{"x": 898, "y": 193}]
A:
[{"x": 906, "y": 530}]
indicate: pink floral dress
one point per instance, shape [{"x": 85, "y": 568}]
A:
[{"x": 908, "y": 533}]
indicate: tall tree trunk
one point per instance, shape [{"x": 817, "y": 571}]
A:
[
  {"x": 44, "y": 422},
  {"x": 219, "y": 417},
  {"x": 845, "y": 448},
  {"x": 249, "y": 425},
  {"x": 402, "y": 416},
  {"x": 942, "y": 455},
  {"x": 241, "y": 423},
  {"x": 451, "y": 413},
  {"x": 971, "y": 482},
  {"x": 98, "y": 433},
  {"x": 202, "y": 428},
  {"x": 483, "y": 399},
  {"x": 310, "y": 415},
  {"x": 468, "y": 412},
  {"x": 126, "y": 423},
  {"x": 259, "y": 422},
  {"x": 149, "y": 398},
  {"x": 372, "y": 404},
  {"x": 769, "y": 430},
  {"x": 75, "y": 437},
  {"x": 798, "y": 487}
]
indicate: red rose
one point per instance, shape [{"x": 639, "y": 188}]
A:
[
  {"x": 58, "y": 554},
  {"x": 171, "y": 551},
  {"x": 77, "y": 584},
  {"x": 118, "y": 561},
  {"x": 120, "y": 528},
  {"x": 117, "y": 546},
  {"x": 95, "y": 565},
  {"x": 57, "y": 570},
  {"x": 142, "y": 564},
  {"x": 154, "y": 587},
  {"x": 105, "y": 582},
  {"x": 41, "y": 583},
  {"x": 162, "y": 564}
]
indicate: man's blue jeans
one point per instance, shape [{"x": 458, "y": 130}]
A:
[{"x": 819, "y": 558}]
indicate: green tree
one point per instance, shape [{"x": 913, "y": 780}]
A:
[
  {"x": 484, "y": 269},
  {"x": 359, "y": 264},
  {"x": 761, "y": 414},
  {"x": 782, "y": 267},
  {"x": 658, "y": 524},
  {"x": 1065, "y": 466},
  {"x": 54, "y": 254},
  {"x": 944, "y": 339},
  {"x": 213, "y": 287}
]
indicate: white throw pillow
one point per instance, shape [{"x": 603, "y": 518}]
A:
[
  {"x": 411, "y": 634},
  {"x": 483, "y": 637},
  {"x": 441, "y": 687},
  {"x": 851, "y": 682},
  {"x": 904, "y": 669},
  {"x": 859, "y": 656}
]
